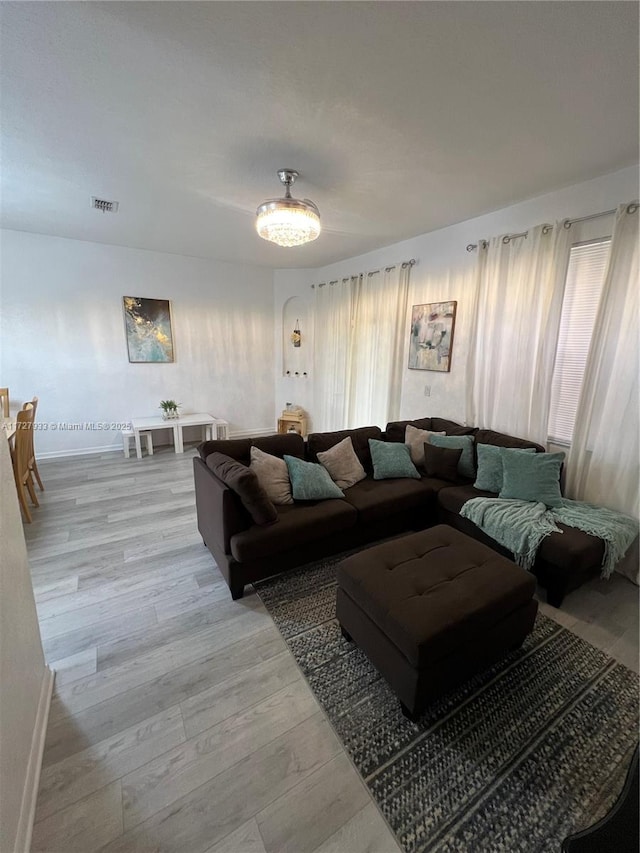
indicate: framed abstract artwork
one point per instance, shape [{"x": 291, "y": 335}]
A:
[
  {"x": 431, "y": 340},
  {"x": 148, "y": 329}
]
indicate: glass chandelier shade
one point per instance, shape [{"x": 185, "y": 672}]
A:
[{"x": 288, "y": 221}]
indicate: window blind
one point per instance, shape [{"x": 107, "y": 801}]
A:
[{"x": 583, "y": 288}]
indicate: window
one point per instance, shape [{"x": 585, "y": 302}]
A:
[{"x": 583, "y": 288}]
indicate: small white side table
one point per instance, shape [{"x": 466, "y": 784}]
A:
[
  {"x": 222, "y": 429},
  {"x": 204, "y": 420}
]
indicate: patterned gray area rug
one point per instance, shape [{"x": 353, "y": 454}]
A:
[{"x": 515, "y": 760}]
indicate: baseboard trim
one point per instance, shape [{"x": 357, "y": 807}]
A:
[
  {"x": 32, "y": 780},
  {"x": 117, "y": 448},
  {"x": 88, "y": 451}
]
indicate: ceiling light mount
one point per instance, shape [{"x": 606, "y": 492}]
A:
[
  {"x": 288, "y": 177},
  {"x": 288, "y": 221}
]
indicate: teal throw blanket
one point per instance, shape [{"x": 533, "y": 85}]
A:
[{"x": 521, "y": 526}]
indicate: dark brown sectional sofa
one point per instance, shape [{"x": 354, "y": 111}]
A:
[{"x": 370, "y": 510}]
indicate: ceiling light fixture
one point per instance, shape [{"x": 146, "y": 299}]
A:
[{"x": 288, "y": 221}]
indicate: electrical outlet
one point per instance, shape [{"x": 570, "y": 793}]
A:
[{"x": 427, "y": 390}]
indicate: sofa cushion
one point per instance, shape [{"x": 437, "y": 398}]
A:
[
  {"x": 342, "y": 464},
  {"x": 240, "y": 448},
  {"x": 297, "y": 525},
  {"x": 451, "y": 427},
  {"x": 273, "y": 475},
  {"x": 415, "y": 439},
  {"x": 310, "y": 481},
  {"x": 466, "y": 465},
  {"x": 490, "y": 471},
  {"x": 500, "y": 439},
  {"x": 442, "y": 462},
  {"x": 572, "y": 549},
  {"x": 531, "y": 476},
  {"x": 391, "y": 460},
  {"x": 453, "y": 498},
  {"x": 320, "y": 441},
  {"x": 379, "y": 499},
  {"x": 396, "y": 430},
  {"x": 245, "y": 484}
]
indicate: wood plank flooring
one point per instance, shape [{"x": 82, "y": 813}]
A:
[{"x": 180, "y": 721}]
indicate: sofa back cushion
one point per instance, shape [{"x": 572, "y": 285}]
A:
[
  {"x": 451, "y": 427},
  {"x": 245, "y": 484},
  {"x": 500, "y": 439},
  {"x": 317, "y": 442},
  {"x": 234, "y": 448},
  {"x": 240, "y": 448},
  {"x": 395, "y": 430}
]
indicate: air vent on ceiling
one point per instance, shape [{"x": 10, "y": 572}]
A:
[{"x": 104, "y": 205}]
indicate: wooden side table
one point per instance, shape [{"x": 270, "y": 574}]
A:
[{"x": 288, "y": 421}]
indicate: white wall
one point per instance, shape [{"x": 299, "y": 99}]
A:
[
  {"x": 26, "y": 681},
  {"x": 442, "y": 272},
  {"x": 63, "y": 339}
]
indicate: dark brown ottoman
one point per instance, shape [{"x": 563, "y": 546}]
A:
[{"x": 432, "y": 609}]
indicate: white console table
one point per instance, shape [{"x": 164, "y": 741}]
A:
[{"x": 207, "y": 422}]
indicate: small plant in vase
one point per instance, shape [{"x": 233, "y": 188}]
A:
[{"x": 169, "y": 409}]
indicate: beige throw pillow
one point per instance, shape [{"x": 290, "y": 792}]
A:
[
  {"x": 342, "y": 464},
  {"x": 273, "y": 476},
  {"x": 416, "y": 439}
]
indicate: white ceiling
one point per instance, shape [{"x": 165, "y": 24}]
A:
[{"x": 401, "y": 117}]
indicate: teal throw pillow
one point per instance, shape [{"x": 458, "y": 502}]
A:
[
  {"x": 532, "y": 477},
  {"x": 310, "y": 481},
  {"x": 391, "y": 459},
  {"x": 466, "y": 468},
  {"x": 490, "y": 471}
]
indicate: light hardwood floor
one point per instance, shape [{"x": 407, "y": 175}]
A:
[{"x": 180, "y": 721}]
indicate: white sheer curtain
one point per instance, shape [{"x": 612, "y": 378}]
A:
[
  {"x": 518, "y": 303},
  {"x": 334, "y": 305},
  {"x": 359, "y": 346},
  {"x": 603, "y": 466},
  {"x": 377, "y": 347}
]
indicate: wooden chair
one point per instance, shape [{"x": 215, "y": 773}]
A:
[
  {"x": 34, "y": 466},
  {"x": 22, "y": 456},
  {"x": 4, "y": 402}
]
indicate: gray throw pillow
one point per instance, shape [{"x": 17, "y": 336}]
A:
[
  {"x": 273, "y": 476},
  {"x": 342, "y": 464},
  {"x": 416, "y": 439},
  {"x": 391, "y": 459}
]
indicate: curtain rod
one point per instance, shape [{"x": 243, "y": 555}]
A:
[
  {"x": 631, "y": 208},
  {"x": 410, "y": 263}
]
